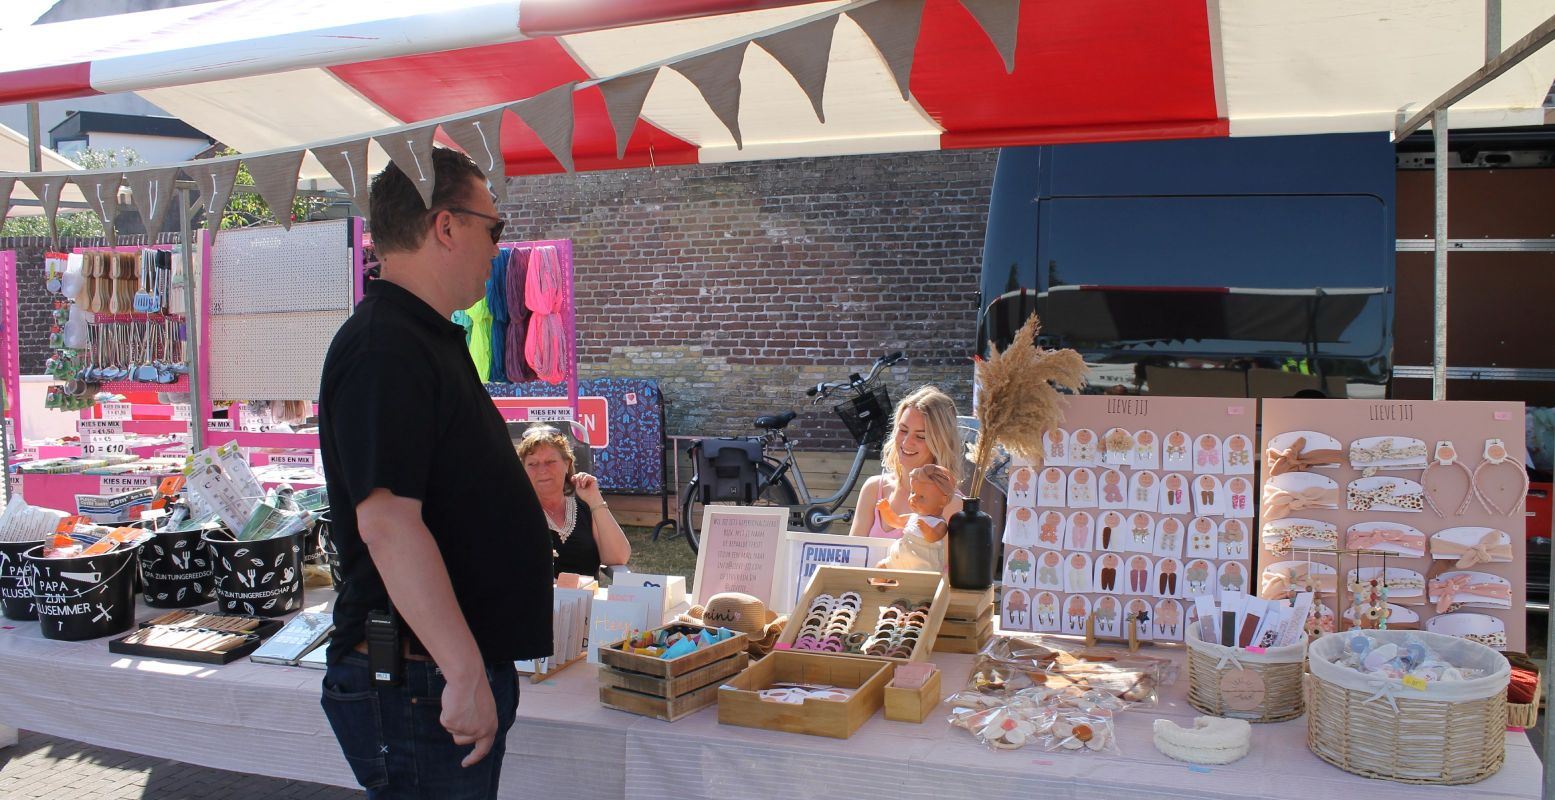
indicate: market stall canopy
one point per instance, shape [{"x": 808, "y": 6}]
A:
[
  {"x": 335, "y": 89},
  {"x": 13, "y": 158}
]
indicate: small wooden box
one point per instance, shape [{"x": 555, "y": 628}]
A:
[
  {"x": 668, "y": 709},
  {"x": 913, "y": 705},
  {"x": 957, "y": 639},
  {"x": 739, "y": 701},
  {"x": 877, "y": 587},
  {"x": 613, "y": 656}
]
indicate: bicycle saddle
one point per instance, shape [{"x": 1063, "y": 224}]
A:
[{"x": 776, "y": 422}]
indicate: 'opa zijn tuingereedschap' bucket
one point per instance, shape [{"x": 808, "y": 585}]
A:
[
  {"x": 84, "y": 597},
  {"x": 260, "y": 578},
  {"x": 177, "y": 569}
]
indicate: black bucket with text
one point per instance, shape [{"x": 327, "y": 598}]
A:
[
  {"x": 261, "y": 578},
  {"x": 177, "y": 570},
  {"x": 85, "y": 597},
  {"x": 16, "y": 601}
]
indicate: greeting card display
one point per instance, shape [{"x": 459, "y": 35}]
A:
[
  {"x": 1396, "y": 514},
  {"x": 1138, "y": 499}
]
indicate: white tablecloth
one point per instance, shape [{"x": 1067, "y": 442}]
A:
[{"x": 266, "y": 719}]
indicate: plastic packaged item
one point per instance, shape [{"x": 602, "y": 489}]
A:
[{"x": 1079, "y": 731}]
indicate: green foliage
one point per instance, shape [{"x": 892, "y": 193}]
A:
[{"x": 245, "y": 209}]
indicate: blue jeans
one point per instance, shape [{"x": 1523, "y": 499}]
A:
[{"x": 392, "y": 739}]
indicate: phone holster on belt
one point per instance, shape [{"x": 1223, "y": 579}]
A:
[{"x": 385, "y": 656}]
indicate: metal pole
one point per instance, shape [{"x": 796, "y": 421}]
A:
[
  {"x": 1492, "y": 30},
  {"x": 1549, "y": 660},
  {"x": 191, "y": 327},
  {"x": 34, "y": 139},
  {"x": 1439, "y": 357}
]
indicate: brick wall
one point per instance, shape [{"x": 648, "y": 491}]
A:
[
  {"x": 738, "y": 285},
  {"x": 34, "y": 304}
]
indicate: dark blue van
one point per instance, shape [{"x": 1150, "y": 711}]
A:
[{"x": 1216, "y": 267}]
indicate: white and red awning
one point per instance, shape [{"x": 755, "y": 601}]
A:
[{"x": 263, "y": 75}]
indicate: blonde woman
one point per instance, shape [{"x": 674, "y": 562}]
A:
[
  {"x": 923, "y": 432},
  {"x": 584, "y": 534}
]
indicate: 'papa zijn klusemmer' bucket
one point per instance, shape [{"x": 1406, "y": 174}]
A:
[
  {"x": 261, "y": 578},
  {"x": 85, "y": 597},
  {"x": 177, "y": 568},
  {"x": 16, "y": 601}
]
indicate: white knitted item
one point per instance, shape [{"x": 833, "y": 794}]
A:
[{"x": 1211, "y": 740}]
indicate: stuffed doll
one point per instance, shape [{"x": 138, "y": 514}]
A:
[{"x": 922, "y": 546}]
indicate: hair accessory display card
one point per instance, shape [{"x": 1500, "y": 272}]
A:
[
  {"x": 1051, "y": 527},
  {"x": 1044, "y": 615},
  {"x": 1057, "y": 448},
  {"x": 1115, "y": 513},
  {"x": 1052, "y": 488},
  {"x": 1114, "y": 489},
  {"x": 1404, "y": 471},
  {"x": 1147, "y": 450},
  {"x": 1168, "y": 620},
  {"x": 1016, "y": 607},
  {"x": 1020, "y": 527},
  {"x": 1023, "y": 488}
]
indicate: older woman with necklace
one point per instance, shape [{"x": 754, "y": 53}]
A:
[{"x": 584, "y": 534}]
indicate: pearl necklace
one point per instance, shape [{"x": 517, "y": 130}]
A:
[{"x": 565, "y": 529}]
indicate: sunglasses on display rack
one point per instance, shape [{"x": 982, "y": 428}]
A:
[{"x": 495, "y": 228}]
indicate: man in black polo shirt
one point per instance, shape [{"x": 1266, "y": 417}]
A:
[{"x": 431, "y": 508}]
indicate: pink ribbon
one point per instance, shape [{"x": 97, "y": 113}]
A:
[
  {"x": 1448, "y": 590},
  {"x": 1366, "y": 540}
]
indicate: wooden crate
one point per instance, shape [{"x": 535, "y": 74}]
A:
[
  {"x": 613, "y": 656},
  {"x": 913, "y": 705},
  {"x": 967, "y": 605},
  {"x": 973, "y": 643},
  {"x": 668, "y": 709},
  {"x": 893, "y": 584},
  {"x": 966, "y": 628},
  {"x": 674, "y": 687},
  {"x": 740, "y": 704}
]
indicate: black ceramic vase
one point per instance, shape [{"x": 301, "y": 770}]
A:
[{"x": 971, "y": 547}]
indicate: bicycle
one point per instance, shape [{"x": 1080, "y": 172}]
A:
[{"x": 743, "y": 470}]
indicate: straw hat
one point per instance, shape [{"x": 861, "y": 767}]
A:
[{"x": 741, "y": 613}]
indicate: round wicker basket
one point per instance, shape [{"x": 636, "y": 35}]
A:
[{"x": 1445, "y": 733}]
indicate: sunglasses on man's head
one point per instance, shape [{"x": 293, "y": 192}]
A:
[{"x": 495, "y": 228}]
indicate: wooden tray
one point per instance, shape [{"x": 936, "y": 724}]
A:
[
  {"x": 256, "y": 637},
  {"x": 740, "y": 704},
  {"x": 677, "y": 686},
  {"x": 613, "y": 656},
  {"x": 667, "y": 709},
  {"x": 915, "y": 586}
]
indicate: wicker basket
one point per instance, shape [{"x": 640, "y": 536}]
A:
[
  {"x": 1524, "y": 715},
  {"x": 1280, "y": 669},
  {"x": 1446, "y": 733}
]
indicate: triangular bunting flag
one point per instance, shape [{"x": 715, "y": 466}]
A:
[
  {"x": 346, "y": 162},
  {"x": 275, "y": 178},
  {"x": 101, "y": 190},
  {"x": 999, "y": 19},
  {"x": 549, "y": 115},
  {"x": 412, "y": 151},
  {"x": 7, "y": 183},
  {"x": 717, "y": 76},
  {"x": 624, "y": 98},
  {"x": 480, "y": 137},
  {"x": 805, "y": 52},
  {"x": 893, "y": 26},
  {"x": 46, "y": 189},
  {"x": 153, "y": 190},
  {"x": 215, "y": 178}
]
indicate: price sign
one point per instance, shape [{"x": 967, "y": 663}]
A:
[
  {"x": 118, "y": 411},
  {"x": 105, "y": 445},
  {"x": 98, "y": 427},
  {"x": 550, "y": 414},
  {"x": 181, "y": 411},
  {"x": 121, "y": 483},
  {"x": 219, "y": 425},
  {"x": 297, "y": 458}
]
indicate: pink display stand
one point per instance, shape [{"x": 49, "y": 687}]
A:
[{"x": 9, "y": 318}]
